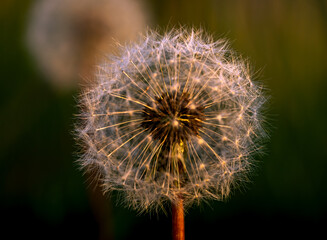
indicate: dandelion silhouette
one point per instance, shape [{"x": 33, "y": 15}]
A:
[{"x": 175, "y": 118}]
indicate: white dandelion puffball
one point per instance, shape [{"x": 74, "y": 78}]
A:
[
  {"x": 66, "y": 36},
  {"x": 175, "y": 116}
]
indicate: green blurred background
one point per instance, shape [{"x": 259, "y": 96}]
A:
[{"x": 43, "y": 195}]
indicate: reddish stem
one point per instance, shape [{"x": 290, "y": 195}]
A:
[{"x": 178, "y": 220}]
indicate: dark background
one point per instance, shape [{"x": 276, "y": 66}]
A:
[{"x": 43, "y": 195}]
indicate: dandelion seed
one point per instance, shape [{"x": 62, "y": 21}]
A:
[{"x": 171, "y": 119}]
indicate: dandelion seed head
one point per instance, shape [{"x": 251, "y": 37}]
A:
[
  {"x": 173, "y": 115},
  {"x": 66, "y": 36}
]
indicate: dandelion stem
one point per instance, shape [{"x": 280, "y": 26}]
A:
[{"x": 178, "y": 220}]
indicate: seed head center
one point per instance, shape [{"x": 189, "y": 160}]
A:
[{"x": 174, "y": 117}]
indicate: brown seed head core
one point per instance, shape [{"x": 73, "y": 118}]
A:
[{"x": 173, "y": 118}]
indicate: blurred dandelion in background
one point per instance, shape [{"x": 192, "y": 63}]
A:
[
  {"x": 173, "y": 118},
  {"x": 66, "y": 37}
]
